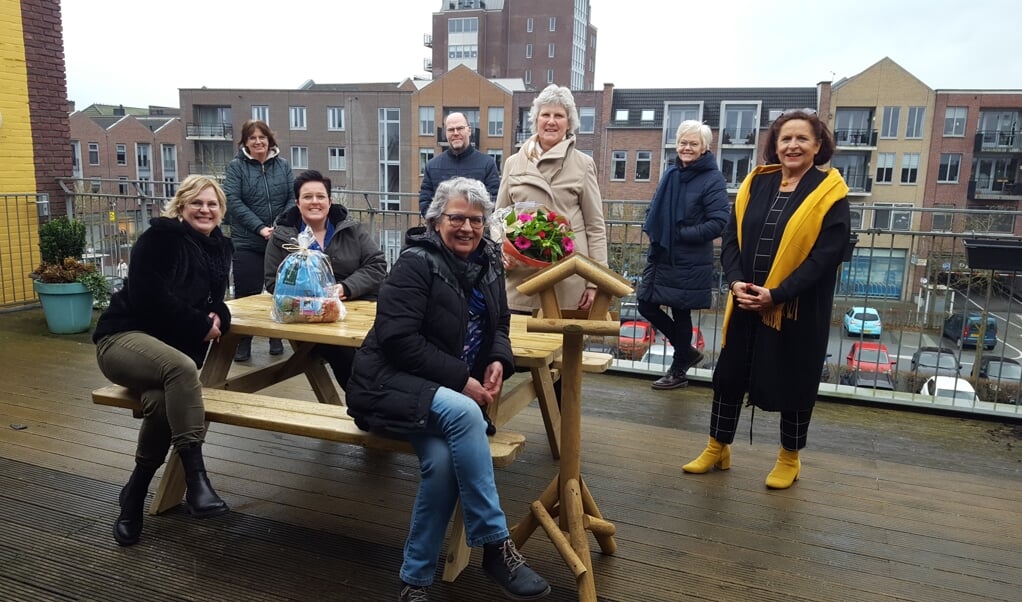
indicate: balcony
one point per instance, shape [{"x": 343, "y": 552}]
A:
[
  {"x": 738, "y": 136},
  {"x": 427, "y": 40},
  {"x": 427, "y": 65},
  {"x": 999, "y": 190},
  {"x": 852, "y": 138},
  {"x": 998, "y": 141},
  {"x": 209, "y": 131},
  {"x": 859, "y": 184}
]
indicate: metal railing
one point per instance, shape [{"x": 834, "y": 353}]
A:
[{"x": 913, "y": 274}]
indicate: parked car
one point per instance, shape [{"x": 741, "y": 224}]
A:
[
  {"x": 1004, "y": 375},
  {"x": 935, "y": 361},
  {"x": 950, "y": 389},
  {"x": 863, "y": 321},
  {"x": 869, "y": 365},
  {"x": 964, "y": 330},
  {"x": 634, "y": 339}
]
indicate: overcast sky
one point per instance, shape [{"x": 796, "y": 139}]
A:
[{"x": 138, "y": 53}]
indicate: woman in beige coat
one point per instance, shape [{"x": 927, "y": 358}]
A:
[{"x": 549, "y": 170}]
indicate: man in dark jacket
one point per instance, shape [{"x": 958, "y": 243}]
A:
[{"x": 460, "y": 159}]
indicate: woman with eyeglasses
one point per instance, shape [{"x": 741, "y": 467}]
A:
[
  {"x": 550, "y": 170},
  {"x": 437, "y": 354},
  {"x": 154, "y": 337},
  {"x": 780, "y": 252},
  {"x": 688, "y": 211}
]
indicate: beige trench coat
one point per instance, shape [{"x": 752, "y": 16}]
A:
[{"x": 564, "y": 180}]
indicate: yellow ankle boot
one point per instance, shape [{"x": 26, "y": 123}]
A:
[
  {"x": 716, "y": 454},
  {"x": 785, "y": 471}
]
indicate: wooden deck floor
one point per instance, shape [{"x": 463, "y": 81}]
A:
[{"x": 892, "y": 505}]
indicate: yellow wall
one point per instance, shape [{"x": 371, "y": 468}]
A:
[{"x": 18, "y": 220}]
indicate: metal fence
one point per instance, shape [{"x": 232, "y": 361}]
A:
[{"x": 909, "y": 263}]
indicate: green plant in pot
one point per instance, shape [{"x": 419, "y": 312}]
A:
[{"x": 67, "y": 287}]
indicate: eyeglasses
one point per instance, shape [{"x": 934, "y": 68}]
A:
[
  {"x": 460, "y": 128},
  {"x": 458, "y": 220},
  {"x": 687, "y": 144}
]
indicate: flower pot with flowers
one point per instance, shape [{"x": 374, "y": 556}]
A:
[
  {"x": 67, "y": 287},
  {"x": 534, "y": 236}
]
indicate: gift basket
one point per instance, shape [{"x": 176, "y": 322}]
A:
[{"x": 306, "y": 290}]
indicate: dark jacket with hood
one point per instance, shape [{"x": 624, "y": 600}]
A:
[
  {"x": 416, "y": 343},
  {"x": 688, "y": 211},
  {"x": 470, "y": 163},
  {"x": 257, "y": 193},
  {"x": 357, "y": 261},
  {"x": 176, "y": 277}
]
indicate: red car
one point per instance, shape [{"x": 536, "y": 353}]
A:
[
  {"x": 636, "y": 337},
  {"x": 870, "y": 365}
]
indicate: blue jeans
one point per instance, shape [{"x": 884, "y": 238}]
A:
[{"x": 454, "y": 461}]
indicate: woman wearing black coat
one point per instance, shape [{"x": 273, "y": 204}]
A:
[
  {"x": 438, "y": 351},
  {"x": 688, "y": 211},
  {"x": 780, "y": 253},
  {"x": 154, "y": 337}
]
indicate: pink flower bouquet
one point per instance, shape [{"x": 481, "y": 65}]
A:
[{"x": 537, "y": 237}]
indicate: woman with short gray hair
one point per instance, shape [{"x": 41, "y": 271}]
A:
[{"x": 550, "y": 170}]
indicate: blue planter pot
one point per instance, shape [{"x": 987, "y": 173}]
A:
[{"x": 67, "y": 306}]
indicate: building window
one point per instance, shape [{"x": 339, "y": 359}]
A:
[
  {"x": 336, "y": 160},
  {"x": 549, "y": 76},
  {"x": 885, "y": 168},
  {"x": 587, "y": 120},
  {"x": 888, "y": 216},
  {"x": 335, "y": 118},
  {"x": 425, "y": 154},
  {"x": 262, "y": 113},
  {"x": 495, "y": 121},
  {"x": 618, "y": 164},
  {"x": 122, "y": 154},
  {"x": 93, "y": 153},
  {"x": 529, "y": 25},
  {"x": 388, "y": 141},
  {"x": 674, "y": 114},
  {"x": 621, "y": 115},
  {"x": 528, "y": 51},
  {"x": 954, "y": 121},
  {"x": 914, "y": 125},
  {"x": 96, "y": 185},
  {"x": 427, "y": 121},
  {"x": 297, "y": 118},
  {"x": 143, "y": 155},
  {"x": 950, "y": 165},
  {"x": 300, "y": 157},
  {"x": 647, "y": 115},
  {"x": 909, "y": 168},
  {"x": 528, "y": 76},
  {"x": 942, "y": 221},
  {"x": 122, "y": 185},
  {"x": 550, "y": 50},
  {"x": 465, "y": 25},
  {"x": 735, "y": 164},
  {"x": 643, "y": 164},
  {"x": 855, "y": 213},
  {"x": 498, "y": 157},
  {"x": 892, "y": 117},
  {"x": 553, "y": 23}
]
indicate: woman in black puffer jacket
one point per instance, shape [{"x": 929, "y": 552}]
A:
[{"x": 439, "y": 350}]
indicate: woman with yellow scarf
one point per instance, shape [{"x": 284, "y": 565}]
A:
[{"x": 780, "y": 252}]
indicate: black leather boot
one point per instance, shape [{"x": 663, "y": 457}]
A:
[
  {"x": 244, "y": 352},
  {"x": 128, "y": 527},
  {"x": 200, "y": 499}
]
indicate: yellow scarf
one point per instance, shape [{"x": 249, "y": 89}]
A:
[{"x": 797, "y": 240}]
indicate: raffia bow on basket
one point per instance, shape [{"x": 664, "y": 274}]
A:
[{"x": 533, "y": 235}]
